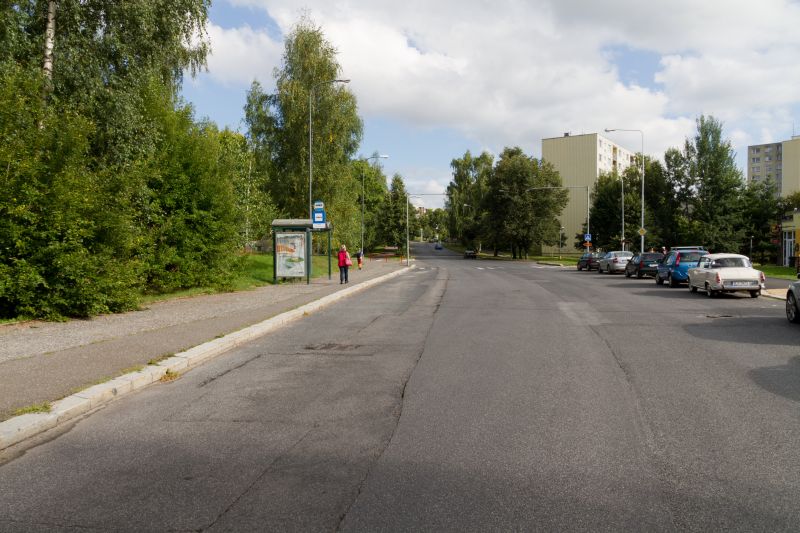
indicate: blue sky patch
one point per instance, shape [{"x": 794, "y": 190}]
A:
[
  {"x": 635, "y": 66},
  {"x": 227, "y": 16}
]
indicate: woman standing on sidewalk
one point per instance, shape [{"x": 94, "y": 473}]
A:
[{"x": 344, "y": 264}]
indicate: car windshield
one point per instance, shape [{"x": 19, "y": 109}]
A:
[
  {"x": 691, "y": 256},
  {"x": 730, "y": 262}
]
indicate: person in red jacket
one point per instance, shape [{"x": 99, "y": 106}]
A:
[{"x": 344, "y": 264}]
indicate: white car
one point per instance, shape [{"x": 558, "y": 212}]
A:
[
  {"x": 613, "y": 262},
  {"x": 716, "y": 273}
]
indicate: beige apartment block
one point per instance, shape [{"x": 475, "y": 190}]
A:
[
  {"x": 791, "y": 166},
  {"x": 764, "y": 161},
  {"x": 580, "y": 159}
]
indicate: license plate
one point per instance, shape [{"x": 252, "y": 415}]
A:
[
  {"x": 742, "y": 283},
  {"x": 653, "y": 265}
]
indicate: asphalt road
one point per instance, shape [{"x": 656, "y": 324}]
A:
[{"x": 469, "y": 395}]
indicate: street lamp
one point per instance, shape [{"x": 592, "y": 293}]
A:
[
  {"x": 641, "y": 231},
  {"x": 310, "y": 137},
  {"x": 362, "y": 196},
  {"x": 560, "y": 242}
]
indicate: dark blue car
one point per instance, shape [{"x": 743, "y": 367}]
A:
[{"x": 674, "y": 268}]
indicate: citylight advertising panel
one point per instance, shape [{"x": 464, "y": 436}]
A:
[{"x": 290, "y": 252}]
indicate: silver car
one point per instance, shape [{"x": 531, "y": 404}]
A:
[
  {"x": 793, "y": 301},
  {"x": 614, "y": 262}
]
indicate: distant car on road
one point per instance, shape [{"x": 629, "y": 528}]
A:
[
  {"x": 614, "y": 262},
  {"x": 470, "y": 254},
  {"x": 437, "y": 246},
  {"x": 674, "y": 268},
  {"x": 643, "y": 264},
  {"x": 589, "y": 261},
  {"x": 717, "y": 273},
  {"x": 793, "y": 302}
]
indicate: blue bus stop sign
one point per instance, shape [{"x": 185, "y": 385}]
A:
[
  {"x": 318, "y": 218},
  {"x": 587, "y": 237}
]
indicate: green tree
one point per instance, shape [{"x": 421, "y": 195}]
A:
[
  {"x": 710, "y": 161},
  {"x": 279, "y": 131},
  {"x": 393, "y": 221},
  {"x": 533, "y": 200},
  {"x": 760, "y": 210},
  {"x": 65, "y": 247},
  {"x": 465, "y": 195},
  {"x": 375, "y": 191}
]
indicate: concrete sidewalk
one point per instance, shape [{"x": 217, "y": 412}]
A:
[{"x": 45, "y": 361}]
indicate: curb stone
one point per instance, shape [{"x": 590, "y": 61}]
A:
[{"x": 23, "y": 427}]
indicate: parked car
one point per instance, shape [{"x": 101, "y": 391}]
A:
[
  {"x": 716, "y": 273},
  {"x": 470, "y": 254},
  {"x": 437, "y": 246},
  {"x": 643, "y": 264},
  {"x": 589, "y": 261},
  {"x": 793, "y": 302},
  {"x": 614, "y": 262},
  {"x": 674, "y": 268}
]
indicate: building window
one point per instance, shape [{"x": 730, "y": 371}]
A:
[
  {"x": 756, "y": 170},
  {"x": 756, "y": 159}
]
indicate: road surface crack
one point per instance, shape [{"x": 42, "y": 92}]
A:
[
  {"x": 399, "y": 410},
  {"x": 263, "y": 473}
]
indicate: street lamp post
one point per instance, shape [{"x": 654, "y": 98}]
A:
[
  {"x": 641, "y": 244},
  {"x": 362, "y": 197},
  {"x": 310, "y": 140},
  {"x": 560, "y": 242}
]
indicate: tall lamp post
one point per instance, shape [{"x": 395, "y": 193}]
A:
[
  {"x": 362, "y": 196},
  {"x": 310, "y": 140},
  {"x": 641, "y": 231}
]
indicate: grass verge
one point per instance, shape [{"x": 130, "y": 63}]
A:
[
  {"x": 780, "y": 272},
  {"x": 43, "y": 407}
]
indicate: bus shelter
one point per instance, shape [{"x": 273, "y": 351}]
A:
[{"x": 291, "y": 248}]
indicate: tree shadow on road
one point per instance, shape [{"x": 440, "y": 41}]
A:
[{"x": 783, "y": 380}]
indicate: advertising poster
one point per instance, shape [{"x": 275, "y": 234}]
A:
[{"x": 290, "y": 252}]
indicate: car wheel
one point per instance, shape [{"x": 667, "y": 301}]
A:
[
  {"x": 627, "y": 273},
  {"x": 608, "y": 269},
  {"x": 692, "y": 288},
  {"x": 659, "y": 281},
  {"x": 792, "y": 313},
  {"x": 672, "y": 282},
  {"x": 755, "y": 294},
  {"x": 639, "y": 275},
  {"x": 710, "y": 293},
  {"x": 599, "y": 270},
  {"x": 580, "y": 268}
]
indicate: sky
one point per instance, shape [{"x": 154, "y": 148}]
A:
[{"x": 435, "y": 79}]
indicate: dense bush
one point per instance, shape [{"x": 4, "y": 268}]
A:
[{"x": 80, "y": 236}]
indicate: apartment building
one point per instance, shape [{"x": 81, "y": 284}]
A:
[
  {"x": 580, "y": 159},
  {"x": 790, "y": 166},
  {"x": 765, "y": 161}
]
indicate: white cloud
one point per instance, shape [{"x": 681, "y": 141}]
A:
[
  {"x": 510, "y": 73},
  {"x": 240, "y": 55}
]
